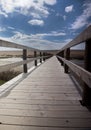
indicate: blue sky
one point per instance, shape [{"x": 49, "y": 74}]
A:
[{"x": 43, "y": 24}]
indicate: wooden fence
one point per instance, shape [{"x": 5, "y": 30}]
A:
[
  {"x": 83, "y": 73},
  {"x": 42, "y": 56}
]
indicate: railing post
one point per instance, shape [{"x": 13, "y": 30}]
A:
[
  {"x": 40, "y": 57},
  {"x": 67, "y": 57},
  {"x": 25, "y": 58},
  {"x": 86, "y": 97},
  {"x": 35, "y": 55},
  {"x": 43, "y": 56},
  {"x": 62, "y": 55}
]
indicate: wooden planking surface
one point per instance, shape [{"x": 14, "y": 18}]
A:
[
  {"x": 14, "y": 127},
  {"x": 46, "y": 100}
]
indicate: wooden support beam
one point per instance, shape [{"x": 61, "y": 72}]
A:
[
  {"x": 35, "y": 55},
  {"x": 43, "y": 56},
  {"x": 40, "y": 57},
  {"x": 25, "y": 58},
  {"x": 86, "y": 97},
  {"x": 67, "y": 57},
  {"x": 62, "y": 55}
]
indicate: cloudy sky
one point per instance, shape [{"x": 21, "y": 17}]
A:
[{"x": 43, "y": 24}]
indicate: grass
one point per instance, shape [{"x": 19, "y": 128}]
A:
[
  {"x": 8, "y": 75},
  {"x": 2, "y": 82}
]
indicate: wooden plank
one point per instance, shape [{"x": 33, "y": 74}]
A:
[
  {"x": 46, "y": 114},
  {"x": 50, "y": 88},
  {"x": 56, "y": 95},
  {"x": 16, "y": 127},
  {"x": 42, "y": 107},
  {"x": 48, "y": 83},
  {"x": 46, "y": 122},
  {"x": 9, "y": 44},
  {"x": 40, "y": 101},
  {"x": 31, "y": 106},
  {"x": 46, "y": 96},
  {"x": 36, "y": 90},
  {"x": 25, "y": 58}
]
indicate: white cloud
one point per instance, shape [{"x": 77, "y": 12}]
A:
[
  {"x": 26, "y": 7},
  {"x": 50, "y": 2},
  {"x": 82, "y": 20},
  {"x": 55, "y": 33},
  {"x": 3, "y": 13},
  {"x": 69, "y": 8},
  {"x": 35, "y": 15},
  {"x": 2, "y": 29},
  {"x": 11, "y": 28},
  {"x": 36, "y": 40},
  {"x": 42, "y": 35},
  {"x": 19, "y": 35},
  {"x": 36, "y": 22}
]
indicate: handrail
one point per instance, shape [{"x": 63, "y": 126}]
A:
[
  {"x": 9, "y": 44},
  {"x": 4, "y": 43},
  {"x": 84, "y": 36},
  {"x": 84, "y": 74},
  {"x": 43, "y": 55},
  {"x": 79, "y": 71},
  {"x": 16, "y": 64}
]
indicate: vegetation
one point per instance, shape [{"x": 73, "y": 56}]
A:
[
  {"x": 2, "y": 82},
  {"x": 6, "y": 76}
]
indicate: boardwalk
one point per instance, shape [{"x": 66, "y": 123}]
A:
[{"x": 45, "y": 100}]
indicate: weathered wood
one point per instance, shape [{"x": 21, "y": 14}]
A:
[
  {"x": 16, "y": 64},
  {"x": 43, "y": 56},
  {"x": 35, "y": 55},
  {"x": 56, "y": 109},
  {"x": 46, "y": 122},
  {"x": 80, "y": 72},
  {"x": 46, "y": 114},
  {"x": 67, "y": 57},
  {"x": 40, "y": 101},
  {"x": 40, "y": 57},
  {"x": 9, "y": 44},
  {"x": 39, "y": 107},
  {"x": 25, "y": 58},
  {"x": 62, "y": 55},
  {"x": 14, "y": 127},
  {"x": 88, "y": 55},
  {"x": 85, "y": 36},
  {"x": 86, "y": 97}
]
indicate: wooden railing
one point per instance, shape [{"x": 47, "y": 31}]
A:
[
  {"x": 42, "y": 56},
  {"x": 83, "y": 73}
]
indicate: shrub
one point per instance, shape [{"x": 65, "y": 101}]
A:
[{"x": 8, "y": 75}]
